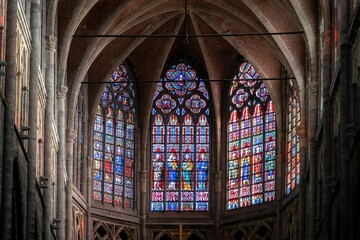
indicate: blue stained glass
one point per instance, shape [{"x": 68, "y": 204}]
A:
[
  {"x": 157, "y": 206},
  {"x": 117, "y": 97},
  {"x": 172, "y": 175},
  {"x": 201, "y": 175},
  {"x": 202, "y": 166},
  {"x": 180, "y": 160},
  {"x": 172, "y": 206},
  {"x": 257, "y": 140},
  {"x": 202, "y": 186},
  {"x": 202, "y": 206},
  {"x": 97, "y": 175},
  {"x": 98, "y": 154}
]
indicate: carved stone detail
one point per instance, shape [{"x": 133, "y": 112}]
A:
[
  {"x": 313, "y": 88},
  {"x": 62, "y": 92},
  {"x": 51, "y": 43},
  {"x": 71, "y": 135}
]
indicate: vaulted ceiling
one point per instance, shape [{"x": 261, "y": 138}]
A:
[{"x": 95, "y": 58}]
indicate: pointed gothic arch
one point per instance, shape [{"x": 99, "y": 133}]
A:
[
  {"x": 114, "y": 140},
  {"x": 251, "y": 145},
  {"x": 180, "y": 142}
]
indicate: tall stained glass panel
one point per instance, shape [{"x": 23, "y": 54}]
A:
[
  {"x": 293, "y": 141},
  {"x": 113, "y": 166},
  {"x": 251, "y": 141},
  {"x": 180, "y": 142}
]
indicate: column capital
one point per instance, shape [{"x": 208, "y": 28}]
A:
[
  {"x": 143, "y": 174},
  {"x": 313, "y": 88},
  {"x": 327, "y": 36},
  {"x": 51, "y": 43},
  {"x": 71, "y": 134},
  {"x": 61, "y": 93}
]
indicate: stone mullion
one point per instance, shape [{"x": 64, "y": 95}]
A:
[
  {"x": 263, "y": 151},
  {"x": 165, "y": 159},
  {"x": 180, "y": 162},
  {"x": 114, "y": 119},
  {"x": 9, "y": 113},
  {"x": 103, "y": 157},
  {"x": 33, "y": 114}
]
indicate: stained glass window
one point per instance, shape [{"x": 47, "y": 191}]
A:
[
  {"x": 114, "y": 142},
  {"x": 293, "y": 141},
  {"x": 251, "y": 141},
  {"x": 180, "y": 142}
]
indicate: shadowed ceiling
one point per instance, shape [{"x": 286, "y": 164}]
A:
[{"x": 95, "y": 58}]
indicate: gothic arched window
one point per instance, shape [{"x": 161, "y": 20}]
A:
[
  {"x": 180, "y": 142},
  {"x": 79, "y": 143},
  {"x": 251, "y": 141},
  {"x": 114, "y": 142},
  {"x": 293, "y": 141}
]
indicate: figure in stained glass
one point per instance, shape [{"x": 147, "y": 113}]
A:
[
  {"x": 254, "y": 136},
  {"x": 116, "y": 104},
  {"x": 180, "y": 133}
]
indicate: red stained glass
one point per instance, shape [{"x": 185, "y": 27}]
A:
[
  {"x": 117, "y": 132},
  {"x": 293, "y": 141},
  {"x": 180, "y": 125},
  {"x": 252, "y": 133}
]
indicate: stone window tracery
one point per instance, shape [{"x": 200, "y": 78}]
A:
[
  {"x": 251, "y": 141},
  {"x": 114, "y": 136},
  {"x": 180, "y": 142}
]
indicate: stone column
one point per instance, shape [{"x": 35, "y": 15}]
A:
[
  {"x": 217, "y": 202},
  {"x": 344, "y": 141},
  {"x": 344, "y": 120},
  {"x": 302, "y": 186},
  {"x": 312, "y": 147},
  {"x": 326, "y": 136},
  {"x": 48, "y": 131},
  {"x": 279, "y": 190},
  {"x": 33, "y": 114},
  {"x": 143, "y": 197},
  {"x": 61, "y": 126},
  {"x": 70, "y": 138},
  {"x": 9, "y": 113}
]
